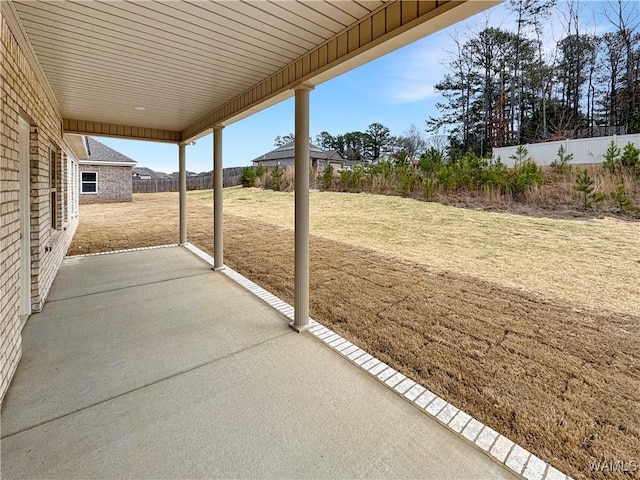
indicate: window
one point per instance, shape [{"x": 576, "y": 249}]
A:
[
  {"x": 53, "y": 206},
  {"x": 89, "y": 182}
]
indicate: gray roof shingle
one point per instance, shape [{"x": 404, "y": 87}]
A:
[
  {"x": 148, "y": 172},
  {"x": 99, "y": 152},
  {"x": 287, "y": 151}
]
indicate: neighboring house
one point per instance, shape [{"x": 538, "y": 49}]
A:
[
  {"x": 105, "y": 175},
  {"x": 177, "y": 174},
  {"x": 144, "y": 173},
  {"x": 284, "y": 156}
]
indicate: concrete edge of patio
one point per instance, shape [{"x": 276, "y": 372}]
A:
[{"x": 512, "y": 456}]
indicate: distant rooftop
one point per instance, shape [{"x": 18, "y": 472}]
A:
[
  {"x": 99, "y": 152},
  {"x": 287, "y": 151}
]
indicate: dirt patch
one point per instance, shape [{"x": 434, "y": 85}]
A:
[{"x": 560, "y": 380}]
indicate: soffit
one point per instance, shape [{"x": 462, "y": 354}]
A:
[{"x": 179, "y": 60}]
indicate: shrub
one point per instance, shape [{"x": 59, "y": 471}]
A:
[
  {"x": 383, "y": 170},
  {"x": 351, "y": 179},
  {"x": 327, "y": 177},
  {"x": 497, "y": 177},
  {"x": 276, "y": 178},
  {"x": 622, "y": 200},
  {"x": 527, "y": 177},
  {"x": 248, "y": 177},
  {"x": 430, "y": 161},
  {"x": 260, "y": 170},
  {"x": 447, "y": 177},
  {"x": 428, "y": 188},
  {"x": 408, "y": 180}
]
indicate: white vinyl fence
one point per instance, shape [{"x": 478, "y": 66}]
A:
[{"x": 584, "y": 150}]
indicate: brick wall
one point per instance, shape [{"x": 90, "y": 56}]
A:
[
  {"x": 22, "y": 94},
  {"x": 114, "y": 184}
]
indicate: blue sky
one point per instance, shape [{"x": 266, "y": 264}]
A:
[{"x": 395, "y": 90}]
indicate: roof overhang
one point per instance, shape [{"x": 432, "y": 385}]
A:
[
  {"x": 112, "y": 164},
  {"x": 172, "y": 71},
  {"x": 78, "y": 146}
]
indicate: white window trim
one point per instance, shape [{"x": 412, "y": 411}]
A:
[
  {"x": 83, "y": 182},
  {"x": 53, "y": 188}
]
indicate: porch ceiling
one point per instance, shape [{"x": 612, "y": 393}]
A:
[{"x": 184, "y": 61}]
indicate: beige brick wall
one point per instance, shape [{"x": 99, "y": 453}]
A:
[
  {"x": 114, "y": 184},
  {"x": 22, "y": 94}
]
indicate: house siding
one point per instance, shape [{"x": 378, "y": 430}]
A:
[
  {"x": 22, "y": 94},
  {"x": 282, "y": 162},
  {"x": 114, "y": 184}
]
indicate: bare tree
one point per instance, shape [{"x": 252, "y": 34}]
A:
[
  {"x": 625, "y": 16},
  {"x": 412, "y": 141}
]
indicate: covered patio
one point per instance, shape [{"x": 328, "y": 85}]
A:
[
  {"x": 148, "y": 364},
  {"x": 151, "y": 363}
]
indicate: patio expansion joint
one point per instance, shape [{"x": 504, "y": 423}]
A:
[
  {"x": 127, "y": 287},
  {"x": 507, "y": 453},
  {"x": 146, "y": 385}
]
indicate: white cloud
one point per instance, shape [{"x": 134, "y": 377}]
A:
[
  {"x": 409, "y": 74},
  {"x": 412, "y": 74}
]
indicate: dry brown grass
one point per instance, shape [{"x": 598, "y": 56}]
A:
[
  {"x": 591, "y": 262},
  {"x": 560, "y": 380}
]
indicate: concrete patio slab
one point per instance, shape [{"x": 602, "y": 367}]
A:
[{"x": 191, "y": 376}]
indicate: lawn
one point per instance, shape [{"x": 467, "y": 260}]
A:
[{"x": 529, "y": 324}]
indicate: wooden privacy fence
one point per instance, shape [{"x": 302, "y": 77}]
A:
[{"x": 230, "y": 177}]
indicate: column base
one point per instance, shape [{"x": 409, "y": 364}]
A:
[
  {"x": 302, "y": 329},
  {"x": 218, "y": 269}
]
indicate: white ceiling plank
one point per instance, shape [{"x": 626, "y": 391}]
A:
[
  {"x": 330, "y": 10},
  {"x": 306, "y": 30},
  {"x": 319, "y": 13},
  {"x": 72, "y": 82},
  {"x": 101, "y": 78},
  {"x": 236, "y": 32},
  {"x": 71, "y": 37},
  {"x": 224, "y": 14},
  {"x": 354, "y": 9},
  {"x": 156, "y": 24},
  {"x": 133, "y": 31},
  {"x": 281, "y": 10},
  {"x": 370, "y": 5},
  {"x": 84, "y": 58}
]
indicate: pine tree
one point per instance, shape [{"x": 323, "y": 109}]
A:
[
  {"x": 622, "y": 200},
  {"x": 584, "y": 185},
  {"x": 630, "y": 155},
  {"x": 561, "y": 163},
  {"x": 611, "y": 157}
]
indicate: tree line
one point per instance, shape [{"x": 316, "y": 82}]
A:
[
  {"x": 503, "y": 88},
  {"x": 369, "y": 145}
]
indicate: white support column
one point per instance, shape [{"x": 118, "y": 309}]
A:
[
  {"x": 218, "y": 253},
  {"x": 183, "y": 191},
  {"x": 301, "y": 294}
]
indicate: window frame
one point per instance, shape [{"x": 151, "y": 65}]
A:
[
  {"x": 83, "y": 182},
  {"x": 53, "y": 188}
]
